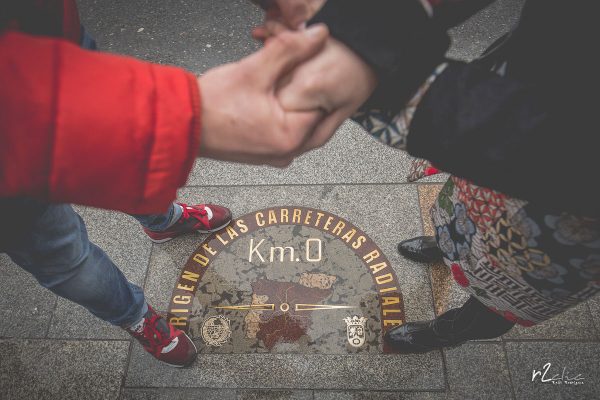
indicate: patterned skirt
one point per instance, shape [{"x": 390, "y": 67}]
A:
[{"x": 524, "y": 262}]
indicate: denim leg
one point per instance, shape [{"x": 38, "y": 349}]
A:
[
  {"x": 59, "y": 255},
  {"x": 160, "y": 222}
]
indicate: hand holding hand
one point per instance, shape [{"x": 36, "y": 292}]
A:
[{"x": 242, "y": 119}]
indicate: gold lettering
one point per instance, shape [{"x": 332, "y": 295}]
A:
[
  {"x": 394, "y": 311},
  {"x": 232, "y": 233},
  {"x": 259, "y": 219},
  {"x": 272, "y": 217},
  {"x": 327, "y": 223},
  {"x": 390, "y": 289},
  {"x": 338, "y": 228},
  {"x": 390, "y": 300},
  {"x": 358, "y": 242},
  {"x": 378, "y": 267},
  {"x": 319, "y": 216},
  {"x": 371, "y": 256},
  {"x": 308, "y": 217},
  {"x": 180, "y": 310},
  {"x": 221, "y": 239},
  {"x": 296, "y": 216},
  {"x": 182, "y": 299},
  {"x": 190, "y": 276},
  {"x": 242, "y": 225},
  {"x": 178, "y": 321},
  {"x": 201, "y": 259},
  {"x": 285, "y": 218},
  {"x": 208, "y": 249},
  {"x": 185, "y": 287},
  {"x": 383, "y": 279},
  {"x": 349, "y": 235}
]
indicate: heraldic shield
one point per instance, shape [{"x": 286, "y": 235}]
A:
[{"x": 355, "y": 329}]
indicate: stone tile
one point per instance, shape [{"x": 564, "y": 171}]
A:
[
  {"x": 122, "y": 238},
  {"x": 471, "y": 38},
  {"x": 371, "y": 395},
  {"x": 287, "y": 371},
  {"x": 275, "y": 395},
  {"x": 336, "y": 163},
  {"x": 36, "y": 369},
  {"x": 196, "y": 35},
  {"x": 25, "y": 306},
  {"x": 594, "y": 307},
  {"x": 577, "y": 358},
  {"x": 575, "y": 323},
  {"x": 177, "y": 394},
  {"x": 71, "y": 321},
  {"x": 478, "y": 370}
]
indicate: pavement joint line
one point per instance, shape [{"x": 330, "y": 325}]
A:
[
  {"x": 125, "y": 369},
  {"x": 510, "y": 378},
  {"x": 277, "y": 389},
  {"x": 54, "y": 307}
]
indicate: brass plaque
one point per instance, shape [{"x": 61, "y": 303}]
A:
[{"x": 288, "y": 280}]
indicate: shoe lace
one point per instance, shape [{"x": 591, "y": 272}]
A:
[
  {"x": 192, "y": 212},
  {"x": 151, "y": 337}
]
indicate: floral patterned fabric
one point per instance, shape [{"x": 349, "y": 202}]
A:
[{"x": 519, "y": 259}]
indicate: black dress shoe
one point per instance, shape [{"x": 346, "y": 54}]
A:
[
  {"x": 421, "y": 249},
  {"x": 417, "y": 337}
]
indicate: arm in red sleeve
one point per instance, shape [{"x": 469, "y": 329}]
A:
[{"x": 91, "y": 128}]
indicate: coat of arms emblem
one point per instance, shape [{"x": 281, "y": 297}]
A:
[
  {"x": 216, "y": 330},
  {"x": 355, "y": 330}
]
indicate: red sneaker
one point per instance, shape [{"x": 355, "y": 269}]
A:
[
  {"x": 202, "y": 218},
  {"x": 163, "y": 341}
]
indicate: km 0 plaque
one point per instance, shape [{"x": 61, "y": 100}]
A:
[{"x": 288, "y": 280}]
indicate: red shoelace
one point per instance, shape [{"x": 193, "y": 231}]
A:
[
  {"x": 152, "y": 338},
  {"x": 192, "y": 212}
]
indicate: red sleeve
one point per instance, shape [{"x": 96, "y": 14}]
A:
[{"x": 94, "y": 129}]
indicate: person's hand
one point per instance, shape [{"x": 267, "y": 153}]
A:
[
  {"x": 242, "y": 119},
  {"x": 292, "y": 13},
  {"x": 336, "y": 81}
]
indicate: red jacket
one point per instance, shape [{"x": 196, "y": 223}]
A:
[{"x": 86, "y": 127}]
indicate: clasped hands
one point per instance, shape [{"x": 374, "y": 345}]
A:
[{"x": 287, "y": 98}]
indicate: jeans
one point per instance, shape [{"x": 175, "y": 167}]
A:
[{"x": 57, "y": 252}]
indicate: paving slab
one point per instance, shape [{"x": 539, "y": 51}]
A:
[
  {"x": 594, "y": 307},
  {"x": 476, "y": 34},
  {"x": 578, "y": 362},
  {"x": 51, "y": 369},
  {"x": 352, "y": 156},
  {"x": 122, "y": 238},
  {"x": 194, "y": 34},
  {"x": 293, "y": 371},
  {"x": 478, "y": 370},
  {"x": 574, "y": 324},
  {"x": 25, "y": 306}
]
